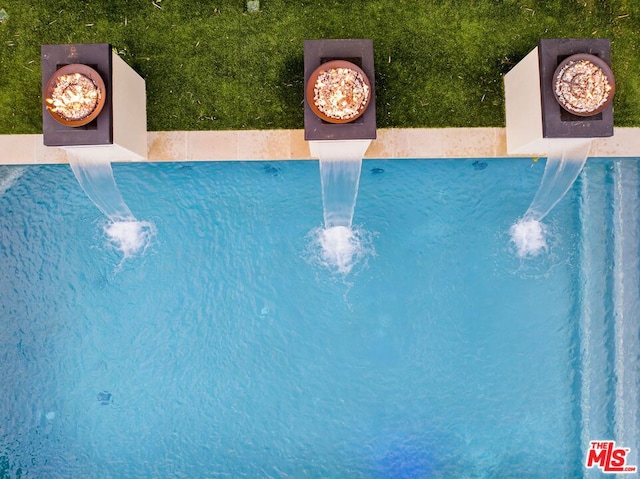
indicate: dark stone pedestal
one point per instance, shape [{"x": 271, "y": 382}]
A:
[
  {"x": 359, "y": 52},
  {"x": 556, "y": 121},
  {"x": 100, "y": 130}
]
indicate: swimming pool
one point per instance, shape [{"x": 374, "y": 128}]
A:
[{"x": 227, "y": 349}]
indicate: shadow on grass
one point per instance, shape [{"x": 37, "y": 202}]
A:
[{"x": 290, "y": 90}]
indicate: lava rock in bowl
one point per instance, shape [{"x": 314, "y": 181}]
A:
[
  {"x": 338, "y": 91},
  {"x": 75, "y": 95},
  {"x": 583, "y": 84}
]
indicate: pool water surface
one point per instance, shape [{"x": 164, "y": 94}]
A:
[{"x": 228, "y": 349}]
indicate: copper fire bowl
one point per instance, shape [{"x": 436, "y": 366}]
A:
[
  {"x": 579, "y": 85},
  {"x": 86, "y": 71},
  {"x": 312, "y": 82}
]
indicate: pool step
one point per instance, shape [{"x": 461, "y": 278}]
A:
[
  {"x": 626, "y": 289},
  {"x": 595, "y": 328},
  {"x": 610, "y": 306}
]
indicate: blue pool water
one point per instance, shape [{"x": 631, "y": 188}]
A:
[{"x": 228, "y": 349}]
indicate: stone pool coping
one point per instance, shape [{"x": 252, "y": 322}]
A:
[{"x": 243, "y": 145}]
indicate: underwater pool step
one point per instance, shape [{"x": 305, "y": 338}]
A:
[
  {"x": 609, "y": 329},
  {"x": 626, "y": 273},
  {"x": 595, "y": 328}
]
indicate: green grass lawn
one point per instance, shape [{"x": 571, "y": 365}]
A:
[{"x": 210, "y": 65}]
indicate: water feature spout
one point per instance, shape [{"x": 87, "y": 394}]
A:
[
  {"x": 340, "y": 166},
  {"x": 565, "y": 161},
  {"x": 92, "y": 169}
]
